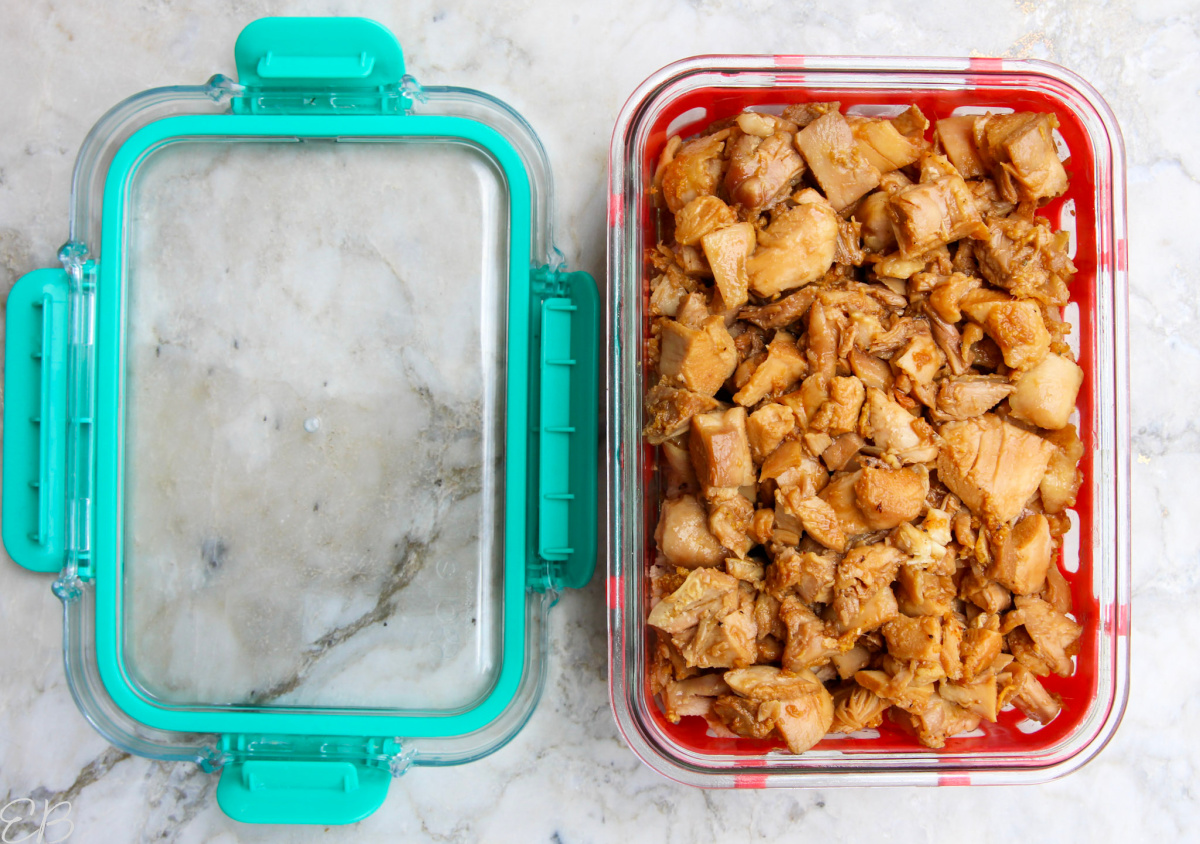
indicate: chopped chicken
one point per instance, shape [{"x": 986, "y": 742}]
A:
[
  {"x": 992, "y": 465},
  {"x": 699, "y": 359},
  {"x": 726, "y": 251},
  {"x": 762, "y": 171},
  {"x": 783, "y": 367},
  {"x": 683, "y": 535},
  {"x": 859, "y": 398},
  {"x": 1019, "y": 150},
  {"x": 1045, "y": 395},
  {"x": 836, "y": 160},
  {"x": 720, "y": 450},
  {"x": 796, "y": 248}
]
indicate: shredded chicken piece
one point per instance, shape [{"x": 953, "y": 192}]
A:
[{"x": 860, "y": 397}]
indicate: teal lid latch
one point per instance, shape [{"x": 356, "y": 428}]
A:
[{"x": 566, "y": 429}]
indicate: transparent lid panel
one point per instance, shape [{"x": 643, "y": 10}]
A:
[{"x": 314, "y": 424}]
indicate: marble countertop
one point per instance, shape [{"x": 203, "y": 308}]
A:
[{"x": 568, "y": 777}]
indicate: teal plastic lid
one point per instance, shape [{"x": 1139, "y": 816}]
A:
[{"x": 307, "y": 422}]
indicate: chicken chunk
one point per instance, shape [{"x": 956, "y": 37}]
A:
[
  {"x": 796, "y": 248},
  {"x": 1055, "y": 637},
  {"x": 702, "y": 215},
  {"x": 1022, "y": 555},
  {"x": 1025, "y": 258},
  {"x": 1062, "y": 480},
  {"x": 670, "y": 411},
  {"x": 783, "y": 367},
  {"x": 727, "y": 250},
  {"x": 920, "y": 358},
  {"x": 935, "y": 721},
  {"x": 766, "y": 428},
  {"x": 729, "y": 517},
  {"x": 837, "y": 162},
  {"x": 856, "y": 708},
  {"x": 728, "y": 641},
  {"x": 883, "y": 145},
  {"x": 889, "y": 497},
  {"x": 1045, "y": 394},
  {"x": 705, "y": 592},
  {"x": 683, "y": 535},
  {"x": 1019, "y": 150},
  {"x": 720, "y": 449},
  {"x": 839, "y": 413},
  {"x": 809, "y": 643},
  {"x": 917, "y": 639},
  {"x": 931, "y": 214},
  {"x": 763, "y": 171},
  {"x": 862, "y": 598},
  {"x": 871, "y": 213},
  {"x": 782, "y": 313},
  {"x": 816, "y": 517},
  {"x": 969, "y": 396},
  {"x": 693, "y": 696},
  {"x": 920, "y": 592},
  {"x": 895, "y": 430},
  {"x": 699, "y": 359},
  {"x": 956, "y": 137},
  {"x": 992, "y": 465},
  {"x": 1028, "y": 694},
  {"x": 695, "y": 171}
]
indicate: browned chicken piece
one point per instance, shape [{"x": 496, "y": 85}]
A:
[
  {"x": 1060, "y": 484},
  {"x": 898, "y": 432},
  {"x": 981, "y": 645},
  {"x": 992, "y": 465},
  {"x": 746, "y": 570},
  {"x": 967, "y": 396},
  {"x": 848, "y": 663},
  {"x": 836, "y": 160},
  {"x": 816, "y": 517},
  {"x": 809, "y": 574},
  {"x": 783, "y": 367},
  {"x": 1057, "y": 592},
  {"x": 816, "y": 442},
  {"x": 953, "y": 630},
  {"x": 729, "y": 518},
  {"x": 695, "y": 170},
  {"x": 956, "y": 137},
  {"x": 839, "y": 494},
  {"x": 1027, "y": 259},
  {"x": 798, "y": 704},
  {"x": 677, "y": 469},
  {"x": 872, "y": 371},
  {"x": 693, "y": 311},
  {"x": 934, "y": 213},
  {"x": 693, "y": 262},
  {"x": 789, "y": 466},
  {"x": 920, "y": 592},
  {"x": 841, "y": 451},
  {"x": 683, "y": 535},
  {"x": 936, "y": 721},
  {"x": 911, "y": 122},
  {"x": 856, "y": 708},
  {"x": 947, "y": 293},
  {"x": 839, "y": 413},
  {"x": 726, "y": 642},
  {"x": 669, "y": 411},
  {"x": 1055, "y": 637},
  {"x": 920, "y": 359},
  {"x": 824, "y": 339},
  {"x": 699, "y": 359},
  {"x": 980, "y": 698},
  {"x": 702, "y": 215},
  {"x": 667, "y": 293},
  {"x": 720, "y": 450},
  {"x": 1019, "y": 150},
  {"x": 848, "y": 249},
  {"x": 741, "y": 716},
  {"x": 878, "y": 236},
  {"x": 783, "y": 313},
  {"x": 888, "y": 497},
  {"x": 918, "y": 638},
  {"x": 763, "y": 526},
  {"x": 694, "y": 696},
  {"x": 796, "y": 248},
  {"x": 803, "y": 114},
  {"x": 1027, "y": 693},
  {"x": 1022, "y": 555},
  {"x": 883, "y": 145},
  {"x": 706, "y": 591},
  {"x": 1045, "y": 395},
  {"x": 863, "y": 598},
  {"x": 983, "y": 592},
  {"x": 926, "y": 546},
  {"x": 989, "y": 202},
  {"x": 900, "y": 690},
  {"x": 808, "y": 643},
  {"x": 762, "y": 171},
  {"x": 726, "y": 250},
  {"x": 897, "y": 265},
  {"x": 766, "y": 429}
]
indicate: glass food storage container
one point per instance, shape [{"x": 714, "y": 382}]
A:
[
  {"x": 683, "y": 99},
  {"x": 306, "y": 423}
]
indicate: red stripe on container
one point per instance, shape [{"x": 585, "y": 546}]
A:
[
  {"x": 616, "y": 209},
  {"x": 790, "y": 61},
  {"x": 954, "y": 779},
  {"x": 616, "y": 592},
  {"x": 1122, "y": 257},
  {"x": 1123, "y": 620},
  {"x": 986, "y": 63},
  {"x": 749, "y": 780}
]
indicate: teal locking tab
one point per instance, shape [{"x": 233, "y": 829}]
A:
[
  {"x": 568, "y": 377},
  {"x": 35, "y": 427},
  {"x": 278, "y": 791}
]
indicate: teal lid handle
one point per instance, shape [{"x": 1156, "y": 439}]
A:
[
  {"x": 35, "y": 427},
  {"x": 308, "y": 792},
  {"x": 568, "y": 438},
  {"x": 318, "y": 52}
]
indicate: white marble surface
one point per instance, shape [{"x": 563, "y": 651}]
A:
[{"x": 568, "y": 67}]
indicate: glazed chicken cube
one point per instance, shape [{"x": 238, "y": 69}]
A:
[
  {"x": 729, "y": 517},
  {"x": 856, "y": 708},
  {"x": 670, "y": 411},
  {"x": 889, "y": 497},
  {"x": 677, "y": 468},
  {"x": 694, "y": 171},
  {"x": 836, "y": 160},
  {"x": 1061, "y": 482},
  {"x": 920, "y": 592},
  {"x": 1055, "y": 637},
  {"x": 871, "y": 213},
  {"x": 683, "y": 534},
  {"x": 968, "y": 396},
  {"x": 816, "y": 517},
  {"x": 1045, "y": 395},
  {"x": 702, "y": 215},
  {"x": 741, "y": 717},
  {"x": 839, "y": 413},
  {"x": 693, "y": 696},
  {"x": 1027, "y": 259},
  {"x": 762, "y": 171},
  {"x": 863, "y": 598},
  {"x": 699, "y": 359},
  {"x": 802, "y": 114},
  {"x": 980, "y": 698},
  {"x": 809, "y": 643},
  {"x": 956, "y": 137},
  {"x": 1027, "y": 693},
  {"x": 839, "y": 494},
  {"x": 917, "y": 639},
  {"x": 720, "y": 449},
  {"x": 981, "y": 644},
  {"x": 789, "y": 466},
  {"x": 807, "y": 574},
  {"x": 920, "y": 358},
  {"x": 992, "y": 465},
  {"x": 883, "y": 145},
  {"x": 930, "y": 214},
  {"x": 726, "y": 251},
  {"x": 796, "y": 248},
  {"x": 705, "y": 592},
  {"x": 895, "y": 430},
  {"x": 729, "y": 641},
  {"x": 1022, "y": 555},
  {"x": 783, "y": 367},
  {"x": 1019, "y": 149},
  {"x": 766, "y": 428},
  {"x": 796, "y": 704},
  {"x": 1016, "y": 325},
  {"x": 935, "y": 721}
]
